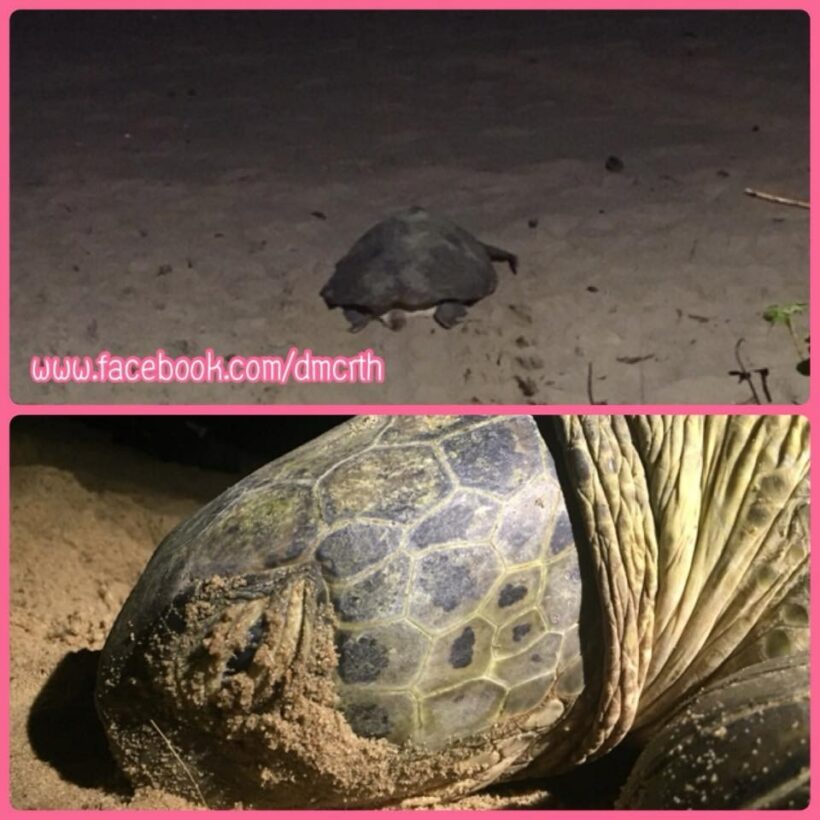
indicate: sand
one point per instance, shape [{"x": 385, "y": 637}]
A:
[
  {"x": 85, "y": 519},
  {"x": 184, "y": 184}
]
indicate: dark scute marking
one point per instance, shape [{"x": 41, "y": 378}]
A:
[
  {"x": 449, "y": 524},
  {"x": 447, "y": 583},
  {"x": 361, "y": 660},
  {"x": 510, "y": 594},
  {"x": 378, "y": 595},
  {"x": 520, "y": 630},
  {"x": 240, "y": 661},
  {"x": 536, "y": 657},
  {"x": 562, "y": 535},
  {"x": 355, "y": 547},
  {"x": 488, "y": 458},
  {"x": 368, "y": 719},
  {"x": 461, "y": 652}
]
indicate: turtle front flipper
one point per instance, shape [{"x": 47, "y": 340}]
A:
[
  {"x": 358, "y": 319},
  {"x": 741, "y": 742},
  {"x": 497, "y": 254},
  {"x": 449, "y": 314},
  {"x": 697, "y": 528}
]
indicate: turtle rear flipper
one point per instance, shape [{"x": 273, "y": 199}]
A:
[
  {"x": 701, "y": 758},
  {"x": 500, "y": 255}
]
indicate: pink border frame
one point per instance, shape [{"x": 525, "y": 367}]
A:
[{"x": 9, "y": 409}]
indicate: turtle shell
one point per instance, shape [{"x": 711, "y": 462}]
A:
[
  {"x": 440, "y": 551},
  {"x": 412, "y": 261}
]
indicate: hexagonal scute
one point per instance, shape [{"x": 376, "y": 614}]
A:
[
  {"x": 461, "y": 654},
  {"x": 519, "y": 633},
  {"x": 517, "y": 591},
  {"x": 311, "y": 460},
  {"x": 263, "y": 528},
  {"x": 377, "y": 596},
  {"x": 528, "y": 518},
  {"x": 561, "y": 601},
  {"x": 450, "y": 584},
  {"x": 466, "y": 516},
  {"x": 462, "y": 710},
  {"x": 390, "y": 715},
  {"x": 395, "y": 484},
  {"x": 388, "y": 656},
  {"x": 539, "y": 659},
  {"x": 527, "y": 695},
  {"x": 498, "y": 457},
  {"x": 356, "y": 546},
  {"x": 407, "y": 429}
]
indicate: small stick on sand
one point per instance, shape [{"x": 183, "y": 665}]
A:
[
  {"x": 589, "y": 386},
  {"x": 782, "y": 200},
  {"x": 181, "y": 762},
  {"x": 744, "y": 374}
]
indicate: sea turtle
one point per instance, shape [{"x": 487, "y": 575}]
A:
[
  {"x": 414, "y": 261},
  {"x": 410, "y": 608}
]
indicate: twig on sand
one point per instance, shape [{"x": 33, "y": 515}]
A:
[
  {"x": 782, "y": 200},
  {"x": 181, "y": 762},
  {"x": 763, "y": 372},
  {"x": 589, "y": 386},
  {"x": 745, "y": 375}
]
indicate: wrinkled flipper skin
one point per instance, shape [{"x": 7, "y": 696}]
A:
[
  {"x": 449, "y": 314},
  {"x": 740, "y": 743},
  {"x": 698, "y": 530}
]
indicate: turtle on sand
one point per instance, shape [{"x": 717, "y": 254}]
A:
[
  {"x": 408, "y": 609},
  {"x": 415, "y": 261}
]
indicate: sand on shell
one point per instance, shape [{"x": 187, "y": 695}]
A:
[{"x": 183, "y": 185}]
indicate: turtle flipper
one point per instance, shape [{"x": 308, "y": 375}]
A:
[
  {"x": 701, "y": 759},
  {"x": 449, "y": 314},
  {"x": 357, "y": 318},
  {"x": 500, "y": 255}
]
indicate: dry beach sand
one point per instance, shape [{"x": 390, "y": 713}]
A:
[
  {"x": 81, "y": 534},
  {"x": 184, "y": 184},
  {"x": 86, "y": 516}
]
